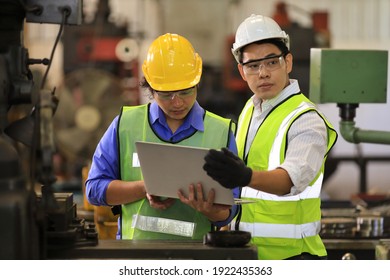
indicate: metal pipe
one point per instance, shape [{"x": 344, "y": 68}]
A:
[{"x": 355, "y": 135}]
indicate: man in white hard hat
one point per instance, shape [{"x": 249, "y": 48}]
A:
[{"x": 283, "y": 141}]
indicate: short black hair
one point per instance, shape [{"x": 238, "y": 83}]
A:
[{"x": 274, "y": 41}]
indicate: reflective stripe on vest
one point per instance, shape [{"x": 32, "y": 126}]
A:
[
  {"x": 282, "y": 230},
  {"x": 163, "y": 225},
  {"x": 274, "y": 156}
]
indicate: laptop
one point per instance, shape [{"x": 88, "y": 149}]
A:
[{"x": 166, "y": 168}]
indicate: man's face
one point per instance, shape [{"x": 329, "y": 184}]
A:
[
  {"x": 269, "y": 80},
  {"x": 176, "y": 105}
]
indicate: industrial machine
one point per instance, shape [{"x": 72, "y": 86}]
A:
[
  {"x": 34, "y": 222},
  {"x": 348, "y": 78}
]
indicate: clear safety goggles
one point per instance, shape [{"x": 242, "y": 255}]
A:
[
  {"x": 271, "y": 63},
  {"x": 169, "y": 95}
]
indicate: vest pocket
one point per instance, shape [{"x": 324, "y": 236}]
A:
[{"x": 280, "y": 212}]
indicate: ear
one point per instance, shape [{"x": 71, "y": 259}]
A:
[
  {"x": 239, "y": 66},
  {"x": 289, "y": 62}
]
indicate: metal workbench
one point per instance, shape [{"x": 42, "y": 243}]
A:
[
  {"x": 361, "y": 249},
  {"x": 130, "y": 249}
]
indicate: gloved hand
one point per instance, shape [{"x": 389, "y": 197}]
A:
[{"x": 227, "y": 169}]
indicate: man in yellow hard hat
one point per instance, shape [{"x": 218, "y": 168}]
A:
[
  {"x": 283, "y": 141},
  {"x": 172, "y": 71}
]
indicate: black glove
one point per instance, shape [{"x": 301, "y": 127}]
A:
[{"x": 227, "y": 169}]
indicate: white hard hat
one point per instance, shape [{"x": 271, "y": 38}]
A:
[{"x": 257, "y": 28}]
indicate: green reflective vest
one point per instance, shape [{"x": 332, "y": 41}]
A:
[
  {"x": 139, "y": 220},
  {"x": 281, "y": 226}
]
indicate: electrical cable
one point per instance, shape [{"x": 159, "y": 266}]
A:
[
  {"x": 36, "y": 133},
  {"x": 65, "y": 15}
]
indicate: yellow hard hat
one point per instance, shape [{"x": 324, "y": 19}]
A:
[{"x": 172, "y": 64}]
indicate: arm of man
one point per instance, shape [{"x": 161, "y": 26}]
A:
[
  {"x": 275, "y": 181},
  {"x": 122, "y": 192},
  {"x": 103, "y": 187}
]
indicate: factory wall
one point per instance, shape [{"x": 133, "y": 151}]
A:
[{"x": 353, "y": 24}]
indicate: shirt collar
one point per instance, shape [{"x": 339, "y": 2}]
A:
[
  {"x": 194, "y": 117},
  {"x": 291, "y": 89}
]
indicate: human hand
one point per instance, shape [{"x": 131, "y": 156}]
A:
[
  {"x": 206, "y": 206},
  {"x": 227, "y": 169},
  {"x": 158, "y": 202}
]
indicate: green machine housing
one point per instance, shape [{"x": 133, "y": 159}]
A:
[{"x": 348, "y": 76}]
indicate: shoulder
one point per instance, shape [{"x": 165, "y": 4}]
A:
[
  {"x": 310, "y": 122},
  {"x": 218, "y": 118}
]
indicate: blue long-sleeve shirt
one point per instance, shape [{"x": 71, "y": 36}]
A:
[{"x": 105, "y": 161}]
